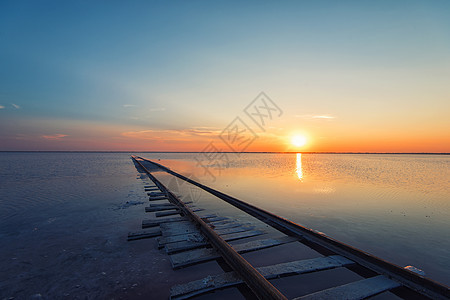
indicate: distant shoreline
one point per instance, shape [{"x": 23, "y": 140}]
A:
[{"x": 193, "y": 152}]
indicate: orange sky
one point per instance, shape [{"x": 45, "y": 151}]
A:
[{"x": 360, "y": 77}]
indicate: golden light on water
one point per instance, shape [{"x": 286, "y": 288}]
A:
[{"x": 299, "y": 169}]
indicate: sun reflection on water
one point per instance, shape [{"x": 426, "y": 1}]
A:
[{"x": 299, "y": 169}]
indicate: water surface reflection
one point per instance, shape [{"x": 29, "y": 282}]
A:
[
  {"x": 299, "y": 169},
  {"x": 373, "y": 202}
]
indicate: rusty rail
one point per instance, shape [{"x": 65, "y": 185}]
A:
[
  {"x": 260, "y": 286},
  {"x": 414, "y": 281}
]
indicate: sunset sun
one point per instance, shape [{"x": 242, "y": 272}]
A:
[{"x": 298, "y": 140}]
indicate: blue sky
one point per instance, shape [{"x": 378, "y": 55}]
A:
[{"x": 86, "y": 72}]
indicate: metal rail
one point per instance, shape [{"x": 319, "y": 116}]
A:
[
  {"x": 414, "y": 281},
  {"x": 260, "y": 286}
]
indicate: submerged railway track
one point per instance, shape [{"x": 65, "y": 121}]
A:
[{"x": 192, "y": 237}]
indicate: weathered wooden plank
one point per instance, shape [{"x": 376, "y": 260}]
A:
[
  {"x": 188, "y": 227},
  {"x": 144, "y": 234},
  {"x": 159, "y": 208},
  {"x": 152, "y": 189},
  {"x": 196, "y": 256},
  {"x": 180, "y": 231},
  {"x": 181, "y": 241},
  {"x": 232, "y": 230},
  {"x": 156, "y": 222},
  {"x": 220, "y": 222},
  {"x": 356, "y": 290},
  {"x": 190, "y": 245},
  {"x": 157, "y": 198},
  {"x": 210, "y": 283},
  {"x": 214, "y": 219},
  {"x": 188, "y": 238},
  {"x": 163, "y": 204},
  {"x": 194, "y": 237},
  {"x": 225, "y": 226},
  {"x": 157, "y": 191},
  {"x": 156, "y": 194},
  {"x": 167, "y": 213},
  {"x": 179, "y": 228},
  {"x": 151, "y": 223},
  {"x": 172, "y": 225},
  {"x": 198, "y": 287},
  {"x": 241, "y": 235},
  {"x": 263, "y": 244},
  {"x": 192, "y": 257},
  {"x": 304, "y": 266},
  {"x": 208, "y": 217},
  {"x": 184, "y": 246}
]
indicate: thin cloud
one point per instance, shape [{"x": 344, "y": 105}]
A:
[
  {"x": 128, "y": 105},
  {"x": 173, "y": 134},
  {"x": 15, "y": 106},
  {"x": 54, "y": 136},
  {"x": 2, "y": 107},
  {"x": 203, "y": 131},
  {"x": 323, "y": 117}
]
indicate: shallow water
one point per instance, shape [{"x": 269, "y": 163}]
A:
[
  {"x": 396, "y": 207},
  {"x": 64, "y": 217},
  {"x": 64, "y": 220}
]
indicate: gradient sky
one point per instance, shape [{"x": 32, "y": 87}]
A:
[{"x": 357, "y": 76}]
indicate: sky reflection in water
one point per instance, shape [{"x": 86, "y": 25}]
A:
[{"x": 393, "y": 206}]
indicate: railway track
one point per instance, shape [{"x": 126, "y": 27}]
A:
[{"x": 190, "y": 236}]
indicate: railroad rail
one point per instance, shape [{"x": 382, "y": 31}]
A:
[{"x": 185, "y": 239}]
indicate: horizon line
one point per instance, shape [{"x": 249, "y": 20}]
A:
[{"x": 254, "y": 152}]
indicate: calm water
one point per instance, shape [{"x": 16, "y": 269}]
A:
[
  {"x": 396, "y": 207},
  {"x": 63, "y": 219}
]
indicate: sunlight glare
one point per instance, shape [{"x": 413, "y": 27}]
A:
[
  {"x": 299, "y": 141},
  {"x": 299, "y": 169}
]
